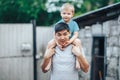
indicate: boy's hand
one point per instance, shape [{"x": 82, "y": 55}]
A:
[
  {"x": 68, "y": 43},
  {"x": 61, "y": 47}
]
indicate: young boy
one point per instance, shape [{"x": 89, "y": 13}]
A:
[{"x": 67, "y": 12}]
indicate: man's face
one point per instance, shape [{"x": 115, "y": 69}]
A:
[{"x": 62, "y": 37}]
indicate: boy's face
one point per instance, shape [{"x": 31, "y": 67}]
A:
[
  {"x": 62, "y": 37},
  {"x": 66, "y": 15}
]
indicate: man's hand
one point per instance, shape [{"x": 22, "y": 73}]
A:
[
  {"x": 51, "y": 44},
  {"x": 76, "y": 50},
  {"x": 49, "y": 53},
  {"x": 77, "y": 42}
]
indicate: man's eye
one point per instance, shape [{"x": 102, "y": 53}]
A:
[
  {"x": 65, "y": 34},
  {"x": 58, "y": 34}
]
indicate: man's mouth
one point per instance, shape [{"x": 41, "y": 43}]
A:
[{"x": 63, "y": 44}]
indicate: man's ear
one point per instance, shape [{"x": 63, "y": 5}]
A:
[{"x": 53, "y": 33}]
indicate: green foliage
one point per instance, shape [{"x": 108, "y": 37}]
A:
[
  {"x": 20, "y": 10},
  {"x": 90, "y": 5},
  {"x": 23, "y": 11}
]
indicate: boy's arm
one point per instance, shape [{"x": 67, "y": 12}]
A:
[
  {"x": 75, "y": 36},
  {"x": 47, "y": 58}
]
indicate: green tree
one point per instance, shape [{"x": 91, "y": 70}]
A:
[
  {"x": 13, "y": 11},
  {"x": 90, "y": 5},
  {"x": 23, "y": 11}
]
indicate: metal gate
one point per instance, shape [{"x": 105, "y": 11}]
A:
[
  {"x": 43, "y": 36},
  {"x": 16, "y": 52}
]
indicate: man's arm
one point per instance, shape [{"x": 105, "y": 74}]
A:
[
  {"x": 47, "y": 59},
  {"x": 83, "y": 63},
  {"x": 82, "y": 60}
]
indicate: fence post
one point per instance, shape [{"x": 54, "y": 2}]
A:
[{"x": 34, "y": 49}]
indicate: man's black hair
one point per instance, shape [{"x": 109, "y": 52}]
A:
[{"x": 61, "y": 26}]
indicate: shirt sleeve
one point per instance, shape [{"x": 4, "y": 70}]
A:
[{"x": 76, "y": 27}]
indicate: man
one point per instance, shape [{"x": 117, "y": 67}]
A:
[{"x": 63, "y": 61}]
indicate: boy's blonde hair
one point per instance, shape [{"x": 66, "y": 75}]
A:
[{"x": 67, "y": 6}]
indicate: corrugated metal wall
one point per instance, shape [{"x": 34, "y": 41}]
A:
[
  {"x": 16, "y": 58},
  {"x": 16, "y": 51},
  {"x": 44, "y": 35}
]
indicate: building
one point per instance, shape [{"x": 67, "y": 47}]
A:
[{"x": 100, "y": 36}]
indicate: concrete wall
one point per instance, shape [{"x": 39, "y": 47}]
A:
[{"x": 111, "y": 30}]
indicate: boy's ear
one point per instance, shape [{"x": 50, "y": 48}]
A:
[
  {"x": 60, "y": 14},
  {"x": 73, "y": 14}
]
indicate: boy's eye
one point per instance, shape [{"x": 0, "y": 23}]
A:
[
  {"x": 64, "y": 13},
  {"x": 68, "y": 13}
]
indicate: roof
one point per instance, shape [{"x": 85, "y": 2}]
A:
[{"x": 98, "y": 16}]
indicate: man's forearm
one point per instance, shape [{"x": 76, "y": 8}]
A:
[
  {"x": 45, "y": 63},
  {"x": 47, "y": 58},
  {"x": 83, "y": 63},
  {"x": 82, "y": 60}
]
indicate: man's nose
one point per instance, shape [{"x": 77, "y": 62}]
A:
[{"x": 62, "y": 37}]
